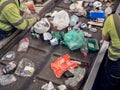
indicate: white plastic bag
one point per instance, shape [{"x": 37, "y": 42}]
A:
[
  {"x": 42, "y": 26},
  {"x": 61, "y": 20}
]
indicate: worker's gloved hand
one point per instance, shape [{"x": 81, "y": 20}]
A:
[{"x": 37, "y": 18}]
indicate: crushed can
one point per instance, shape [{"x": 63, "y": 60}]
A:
[{"x": 9, "y": 68}]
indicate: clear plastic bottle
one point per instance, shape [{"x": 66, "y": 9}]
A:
[
  {"x": 84, "y": 48},
  {"x": 74, "y": 19},
  {"x": 6, "y": 79},
  {"x": 10, "y": 68},
  {"x": 23, "y": 45}
]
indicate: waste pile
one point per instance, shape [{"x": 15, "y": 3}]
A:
[{"x": 65, "y": 27}]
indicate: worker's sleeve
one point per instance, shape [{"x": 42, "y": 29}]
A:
[
  {"x": 107, "y": 26},
  {"x": 13, "y": 16}
]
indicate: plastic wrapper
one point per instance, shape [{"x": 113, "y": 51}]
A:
[
  {"x": 23, "y": 45},
  {"x": 25, "y": 68},
  {"x": 48, "y": 86},
  {"x": 73, "y": 39},
  {"x": 6, "y": 79},
  {"x": 77, "y": 8},
  {"x": 62, "y": 64},
  {"x": 9, "y": 56},
  {"x": 47, "y": 36},
  {"x": 78, "y": 76},
  {"x": 62, "y": 87}
]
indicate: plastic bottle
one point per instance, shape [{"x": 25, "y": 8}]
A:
[
  {"x": 7, "y": 79},
  {"x": 9, "y": 56},
  {"x": 23, "y": 45},
  {"x": 84, "y": 48},
  {"x": 10, "y": 68},
  {"x": 74, "y": 19}
]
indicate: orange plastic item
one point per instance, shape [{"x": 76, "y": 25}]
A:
[
  {"x": 62, "y": 64},
  {"x": 31, "y": 7}
]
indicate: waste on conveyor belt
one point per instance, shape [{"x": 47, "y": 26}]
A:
[{"x": 60, "y": 28}]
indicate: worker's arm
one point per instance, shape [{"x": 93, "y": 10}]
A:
[
  {"x": 106, "y": 29},
  {"x": 106, "y": 38},
  {"x": 12, "y": 15}
]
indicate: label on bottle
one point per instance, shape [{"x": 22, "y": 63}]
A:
[{"x": 10, "y": 67}]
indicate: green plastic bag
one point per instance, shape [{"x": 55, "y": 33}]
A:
[{"x": 74, "y": 39}]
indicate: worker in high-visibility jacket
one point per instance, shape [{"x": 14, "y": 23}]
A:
[{"x": 10, "y": 18}]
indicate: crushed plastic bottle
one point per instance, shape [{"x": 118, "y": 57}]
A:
[
  {"x": 74, "y": 19},
  {"x": 9, "y": 56},
  {"x": 6, "y": 79},
  {"x": 23, "y": 45},
  {"x": 84, "y": 48},
  {"x": 10, "y": 68},
  {"x": 25, "y": 68}
]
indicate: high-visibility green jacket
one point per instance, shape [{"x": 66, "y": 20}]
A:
[
  {"x": 109, "y": 30},
  {"x": 10, "y": 16}
]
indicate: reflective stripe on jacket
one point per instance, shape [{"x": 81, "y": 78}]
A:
[{"x": 109, "y": 29}]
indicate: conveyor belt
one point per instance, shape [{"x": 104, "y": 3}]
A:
[{"x": 42, "y": 54}]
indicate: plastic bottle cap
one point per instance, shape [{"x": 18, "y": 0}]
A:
[
  {"x": 26, "y": 39},
  {"x": 85, "y": 64},
  {"x": 85, "y": 54}
]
